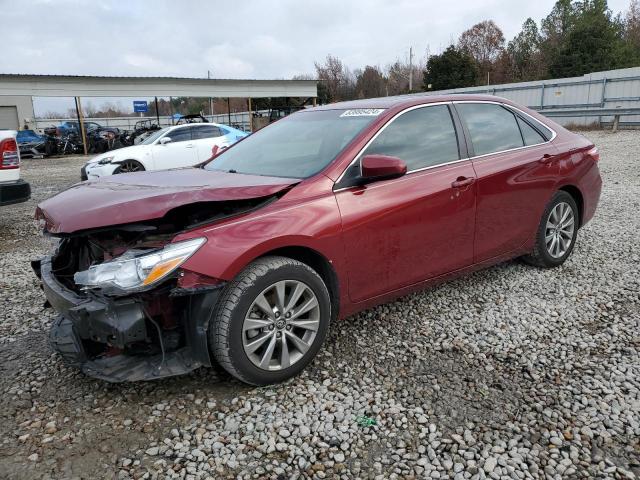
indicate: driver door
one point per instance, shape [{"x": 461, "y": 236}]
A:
[
  {"x": 179, "y": 152},
  {"x": 402, "y": 231}
]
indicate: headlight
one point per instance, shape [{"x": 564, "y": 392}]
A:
[
  {"x": 105, "y": 160},
  {"x": 133, "y": 271}
]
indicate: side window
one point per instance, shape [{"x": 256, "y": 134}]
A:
[
  {"x": 206, "y": 131},
  {"x": 530, "y": 134},
  {"x": 180, "y": 134},
  {"x": 492, "y": 128},
  {"x": 423, "y": 137}
]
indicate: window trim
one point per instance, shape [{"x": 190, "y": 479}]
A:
[
  {"x": 459, "y": 137},
  {"x": 465, "y": 136}
]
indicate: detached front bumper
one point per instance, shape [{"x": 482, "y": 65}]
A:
[
  {"x": 95, "y": 333},
  {"x": 14, "y": 192}
]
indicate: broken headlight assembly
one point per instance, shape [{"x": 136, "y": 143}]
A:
[{"x": 136, "y": 270}]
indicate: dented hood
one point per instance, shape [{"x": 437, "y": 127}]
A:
[{"x": 130, "y": 198}]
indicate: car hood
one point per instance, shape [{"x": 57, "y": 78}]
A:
[
  {"x": 121, "y": 153},
  {"x": 136, "y": 197}
]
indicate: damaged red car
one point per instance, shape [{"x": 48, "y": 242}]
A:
[{"x": 247, "y": 259}]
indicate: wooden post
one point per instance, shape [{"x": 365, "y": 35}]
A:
[
  {"x": 81, "y": 122},
  {"x": 616, "y": 122},
  {"x": 314, "y": 101},
  {"x": 250, "y": 117}
]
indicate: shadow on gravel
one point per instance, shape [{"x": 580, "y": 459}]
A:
[{"x": 90, "y": 436}]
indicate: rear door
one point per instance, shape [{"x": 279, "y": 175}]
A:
[
  {"x": 402, "y": 231},
  {"x": 517, "y": 168},
  {"x": 205, "y": 137},
  {"x": 179, "y": 152}
]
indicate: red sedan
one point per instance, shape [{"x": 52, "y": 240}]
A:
[{"x": 246, "y": 260}]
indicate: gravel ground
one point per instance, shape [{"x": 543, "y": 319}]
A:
[{"x": 512, "y": 372}]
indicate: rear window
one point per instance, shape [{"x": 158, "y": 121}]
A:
[
  {"x": 492, "y": 127},
  {"x": 530, "y": 135}
]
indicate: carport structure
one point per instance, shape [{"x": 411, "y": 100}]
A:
[{"x": 17, "y": 90}]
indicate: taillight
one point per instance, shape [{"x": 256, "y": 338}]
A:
[
  {"x": 594, "y": 153},
  {"x": 9, "y": 157}
]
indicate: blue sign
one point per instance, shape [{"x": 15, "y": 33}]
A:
[{"x": 140, "y": 106}]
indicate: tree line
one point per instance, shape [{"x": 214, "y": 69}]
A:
[{"x": 575, "y": 38}]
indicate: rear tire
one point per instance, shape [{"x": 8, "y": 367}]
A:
[
  {"x": 557, "y": 232},
  {"x": 270, "y": 321}
]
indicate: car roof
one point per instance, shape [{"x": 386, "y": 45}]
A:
[{"x": 404, "y": 100}]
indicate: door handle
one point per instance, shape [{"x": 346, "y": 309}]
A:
[
  {"x": 461, "y": 182},
  {"x": 189, "y": 146},
  {"x": 546, "y": 158}
]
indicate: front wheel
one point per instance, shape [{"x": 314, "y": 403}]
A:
[
  {"x": 270, "y": 321},
  {"x": 557, "y": 232},
  {"x": 129, "y": 166}
]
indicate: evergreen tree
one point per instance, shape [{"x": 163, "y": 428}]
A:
[{"x": 453, "y": 68}]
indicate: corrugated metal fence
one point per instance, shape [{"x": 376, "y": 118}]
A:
[{"x": 586, "y": 95}]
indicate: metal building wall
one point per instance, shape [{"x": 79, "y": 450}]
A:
[{"x": 617, "y": 89}]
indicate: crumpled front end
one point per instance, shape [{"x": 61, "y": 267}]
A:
[{"x": 126, "y": 336}]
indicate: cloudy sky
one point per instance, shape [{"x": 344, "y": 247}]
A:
[{"x": 238, "y": 39}]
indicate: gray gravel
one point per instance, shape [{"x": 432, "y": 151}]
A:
[{"x": 512, "y": 372}]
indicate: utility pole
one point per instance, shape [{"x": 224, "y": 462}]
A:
[
  {"x": 210, "y": 99},
  {"x": 410, "y": 69}
]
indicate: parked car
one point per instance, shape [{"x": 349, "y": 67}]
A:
[
  {"x": 12, "y": 188},
  {"x": 170, "y": 147},
  {"x": 69, "y": 127},
  {"x": 30, "y": 143},
  {"x": 248, "y": 259}
]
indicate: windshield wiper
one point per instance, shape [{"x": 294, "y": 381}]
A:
[{"x": 232, "y": 171}]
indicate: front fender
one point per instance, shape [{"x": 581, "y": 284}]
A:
[{"x": 232, "y": 245}]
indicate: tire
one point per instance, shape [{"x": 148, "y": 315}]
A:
[
  {"x": 129, "y": 166},
  {"x": 544, "y": 255},
  {"x": 229, "y": 336}
]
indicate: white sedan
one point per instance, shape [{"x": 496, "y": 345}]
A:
[{"x": 171, "y": 147}]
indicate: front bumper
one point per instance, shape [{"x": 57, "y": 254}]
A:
[
  {"x": 94, "y": 170},
  {"x": 114, "y": 324},
  {"x": 14, "y": 192}
]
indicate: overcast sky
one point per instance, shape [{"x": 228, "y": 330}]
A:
[{"x": 238, "y": 39}]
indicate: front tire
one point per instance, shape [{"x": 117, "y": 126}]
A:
[
  {"x": 129, "y": 166},
  {"x": 270, "y": 321},
  {"x": 557, "y": 232}
]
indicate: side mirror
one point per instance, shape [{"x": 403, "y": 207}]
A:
[
  {"x": 165, "y": 140},
  {"x": 382, "y": 167}
]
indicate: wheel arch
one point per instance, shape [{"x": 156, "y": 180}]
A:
[
  {"x": 120, "y": 162},
  {"x": 318, "y": 262},
  {"x": 577, "y": 196}
]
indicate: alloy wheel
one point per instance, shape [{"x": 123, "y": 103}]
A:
[
  {"x": 281, "y": 325},
  {"x": 559, "y": 230},
  {"x": 128, "y": 167}
]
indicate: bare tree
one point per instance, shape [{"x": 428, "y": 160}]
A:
[
  {"x": 632, "y": 24},
  {"x": 335, "y": 76},
  {"x": 484, "y": 42}
]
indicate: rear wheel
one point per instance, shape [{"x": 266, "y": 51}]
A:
[
  {"x": 129, "y": 166},
  {"x": 270, "y": 321},
  {"x": 557, "y": 232}
]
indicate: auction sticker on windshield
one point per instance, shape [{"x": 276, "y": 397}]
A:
[{"x": 363, "y": 112}]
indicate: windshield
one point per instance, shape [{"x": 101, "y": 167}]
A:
[
  {"x": 149, "y": 140},
  {"x": 297, "y": 146}
]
